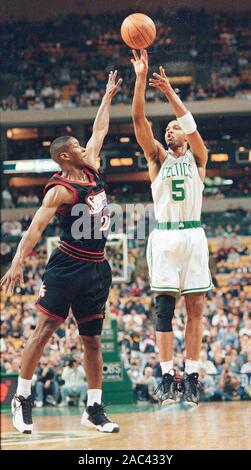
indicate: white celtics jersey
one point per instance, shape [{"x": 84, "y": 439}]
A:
[{"x": 177, "y": 190}]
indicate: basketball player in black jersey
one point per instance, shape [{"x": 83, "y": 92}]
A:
[{"x": 77, "y": 275}]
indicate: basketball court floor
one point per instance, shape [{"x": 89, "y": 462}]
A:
[{"x": 218, "y": 426}]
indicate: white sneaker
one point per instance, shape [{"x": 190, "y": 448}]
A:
[
  {"x": 22, "y": 414},
  {"x": 39, "y": 404},
  {"x": 95, "y": 417},
  {"x": 62, "y": 404}
]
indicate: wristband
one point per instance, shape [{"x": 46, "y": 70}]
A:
[{"x": 187, "y": 123}]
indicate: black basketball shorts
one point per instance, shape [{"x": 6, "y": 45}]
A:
[{"x": 83, "y": 286}]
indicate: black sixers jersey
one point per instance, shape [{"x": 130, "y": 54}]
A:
[
  {"x": 85, "y": 223},
  {"x": 77, "y": 275}
]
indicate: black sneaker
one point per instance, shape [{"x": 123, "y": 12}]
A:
[
  {"x": 168, "y": 389},
  {"x": 94, "y": 417},
  {"x": 22, "y": 414},
  {"x": 191, "y": 393}
]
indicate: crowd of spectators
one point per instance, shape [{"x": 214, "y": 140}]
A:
[
  {"x": 126, "y": 192},
  {"x": 225, "y": 359},
  {"x": 21, "y": 197},
  {"x": 63, "y": 63}
]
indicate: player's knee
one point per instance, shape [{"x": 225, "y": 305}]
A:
[
  {"x": 165, "y": 305},
  {"x": 194, "y": 315},
  {"x": 92, "y": 345},
  {"x": 44, "y": 330},
  {"x": 195, "y": 306},
  {"x": 90, "y": 329}
]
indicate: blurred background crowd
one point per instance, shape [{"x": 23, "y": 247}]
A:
[
  {"x": 225, "y": 359},
  {"x": 64, "y": 62}
]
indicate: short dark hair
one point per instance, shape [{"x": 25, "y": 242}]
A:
[
  {"x": 59, "y": 145},
  {"x": 71, "y": 361}
]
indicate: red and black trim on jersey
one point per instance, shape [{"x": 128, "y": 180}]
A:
[
  {"x": 92, "y": 195},
  {"x": 58, "y": 179},
  {"x": 84, "y": 255}
]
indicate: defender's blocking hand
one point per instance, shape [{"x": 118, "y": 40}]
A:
[{"x": 112, "y": 87}]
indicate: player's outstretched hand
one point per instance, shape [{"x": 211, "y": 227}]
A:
[
  {"x": 112, "y": 87},
  {"x": 13, "y": 276},
  {"x": 140, "y": 63},
  {"x": 160, "y": 81}
]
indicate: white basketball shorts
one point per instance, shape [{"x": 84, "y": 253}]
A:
[{"x": 178, "y": 261}]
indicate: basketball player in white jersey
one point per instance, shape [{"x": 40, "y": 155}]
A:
[{"x": 177, "y": 252}]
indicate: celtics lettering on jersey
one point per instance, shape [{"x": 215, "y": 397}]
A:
[
  {"x": 177, "y": 170},
  {"x": 177, "y": 190}
]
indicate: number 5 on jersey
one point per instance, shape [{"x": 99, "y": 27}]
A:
[{"x": 178, "y": 191}]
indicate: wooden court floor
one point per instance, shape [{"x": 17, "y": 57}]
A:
[{"x": 215, "y": 426}]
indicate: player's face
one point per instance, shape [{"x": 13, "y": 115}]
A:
[
  {"x": 76, "y": 152},
  {"x": 174, "y": 135}
]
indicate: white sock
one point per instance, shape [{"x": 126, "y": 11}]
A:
[
  {"x": 94, "y": 396},
  {"x": 23, "y": 387},
  {"x": 167, "y": 367},
  {"x": 191, "y": 366}
]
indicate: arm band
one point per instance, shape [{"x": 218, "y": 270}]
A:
[{"x": 187, "y": 123}]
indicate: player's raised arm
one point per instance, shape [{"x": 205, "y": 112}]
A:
[
  {"x": 52, "y": 201},
  {"x": 152, "y": 148},
  {"x": 184, "y": 118},
  {"x": 101, "y": 123}
]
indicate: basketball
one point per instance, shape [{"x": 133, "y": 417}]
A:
[{"x": 138, "y": 31}]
